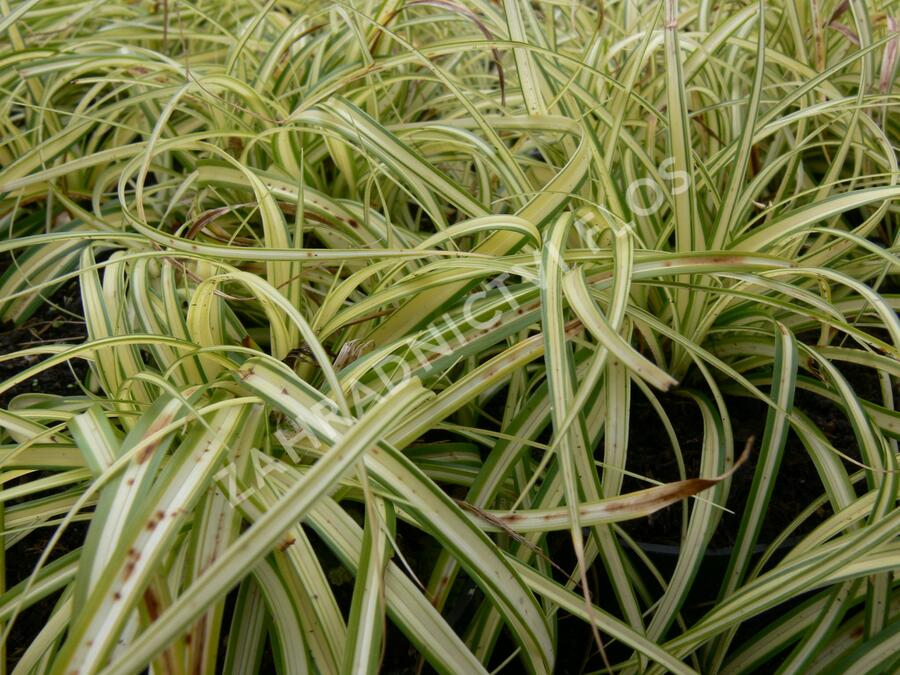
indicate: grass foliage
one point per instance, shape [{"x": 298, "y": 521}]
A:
[{"x": 365, "y": 279}]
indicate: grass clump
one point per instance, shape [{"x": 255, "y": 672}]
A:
[{"x": 371, "y": 291}]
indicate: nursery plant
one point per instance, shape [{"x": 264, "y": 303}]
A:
[{"x": 376, "y": 296}]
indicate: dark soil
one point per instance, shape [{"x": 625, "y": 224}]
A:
[
  {"x": 57, "y": 321},
  {"x": 650, "y": 455},
  {"x": 796, "y": 486},
  {"x": 54, "y": 323}
]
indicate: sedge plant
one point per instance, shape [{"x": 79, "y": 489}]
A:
[{"x": 364, "y": 277}]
